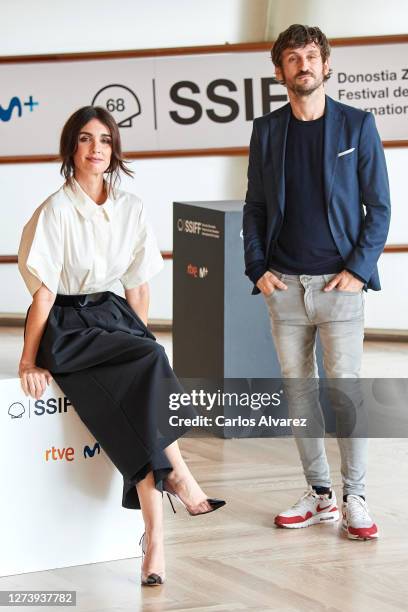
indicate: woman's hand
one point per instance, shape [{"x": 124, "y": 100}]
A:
[{"x": 34, "y": 380}]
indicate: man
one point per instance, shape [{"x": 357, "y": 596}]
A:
[{"x": 311, "y": 249}]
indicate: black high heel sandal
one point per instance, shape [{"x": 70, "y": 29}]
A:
[
  {"x": 151, "y": 579},
  {"x": 214, "y": 503}
]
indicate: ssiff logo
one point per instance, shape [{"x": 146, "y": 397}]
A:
[
  {"x": 16, "y": 410},
  {"x": 120, "y": 101},
  {"x": 188, "y": 226},
  {"x": 39, "y": 407},
  {"x": 197, "y": 272}
]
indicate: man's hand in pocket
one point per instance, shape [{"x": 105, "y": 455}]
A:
[
  {"x": 345, "y": 281},
  {"x": 269, "y": 282}
]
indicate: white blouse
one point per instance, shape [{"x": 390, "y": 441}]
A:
[{"x": 73, "y": 245}]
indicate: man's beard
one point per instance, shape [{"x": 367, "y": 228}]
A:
[{"x": 301, "y": 90}]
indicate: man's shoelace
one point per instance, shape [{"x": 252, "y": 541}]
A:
[
  {"x": 300, "y": 502},
  {"x": 357, "y": 509}
]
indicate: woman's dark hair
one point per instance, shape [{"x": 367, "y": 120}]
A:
[
  {"x": 296, "y": 36},
  {"x": 69, "y": 143}
]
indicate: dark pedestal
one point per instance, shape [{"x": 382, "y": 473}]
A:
[{"x": 220, "y": 330}]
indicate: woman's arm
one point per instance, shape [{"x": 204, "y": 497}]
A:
[
  {"x": 34, "y": 379},
  {"x": 138, "y": 299}
]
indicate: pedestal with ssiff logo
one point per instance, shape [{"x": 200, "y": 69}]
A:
[
  {"x": 220, "y": 330},
  {"x": 62, "y": 495}
]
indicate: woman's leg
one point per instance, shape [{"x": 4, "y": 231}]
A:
[
  {"x": 151, "y": 504},
  {"x": 183, "y": 482}
]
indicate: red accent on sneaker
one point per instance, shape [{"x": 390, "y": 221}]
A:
[
  {"x": 363, "y": 532},
  {"x": 287, "y": 520},
  {"x": 320, "y": 509}
]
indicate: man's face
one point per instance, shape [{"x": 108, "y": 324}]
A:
[{"x": 302, "y": 69}]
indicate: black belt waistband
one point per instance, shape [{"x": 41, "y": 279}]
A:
[{"x": 81, "y": 299}]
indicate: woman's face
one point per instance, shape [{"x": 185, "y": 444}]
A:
[{"x": 94, "y": 148}]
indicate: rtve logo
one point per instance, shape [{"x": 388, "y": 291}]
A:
[
  {"x": 197, "y": 272},
  {"x": 68, "y": 454}
]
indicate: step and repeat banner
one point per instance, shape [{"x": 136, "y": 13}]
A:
[{"x": 187, "y": 102}]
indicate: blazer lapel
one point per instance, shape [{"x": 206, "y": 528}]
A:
[
  {"x": 278, "y": 134},
  {"x": 334, "y": 120}
]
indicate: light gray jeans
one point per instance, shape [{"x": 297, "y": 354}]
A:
[{"x": 296, "y": 315}]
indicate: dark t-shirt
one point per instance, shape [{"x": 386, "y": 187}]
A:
[{"x": 305, "y": 244}]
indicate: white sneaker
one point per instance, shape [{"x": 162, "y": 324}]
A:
[
  {"x": 357, "y": 520},
  {"x": 309, "y": 510}
]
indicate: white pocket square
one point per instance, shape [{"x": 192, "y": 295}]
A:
[{"x": 346, "y": 152}]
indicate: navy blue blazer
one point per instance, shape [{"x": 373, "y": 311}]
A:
[{"x": 355, "y": 185}]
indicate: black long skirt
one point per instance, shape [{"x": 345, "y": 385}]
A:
[{"x": 118, "y": 378}]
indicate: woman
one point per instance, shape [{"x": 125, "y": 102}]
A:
[{"x": 94, "y": 343}]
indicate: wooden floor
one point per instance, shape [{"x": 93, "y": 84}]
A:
[{"x": 235, "y": 559}]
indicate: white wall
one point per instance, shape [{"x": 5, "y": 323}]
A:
[
  {"x": 50, "y": 27},
  {"x": 338, "y": 18},
  {"x": 65, "y": 26}
]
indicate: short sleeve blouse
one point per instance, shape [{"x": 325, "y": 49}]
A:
[{"x": 75, "y": 246}]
